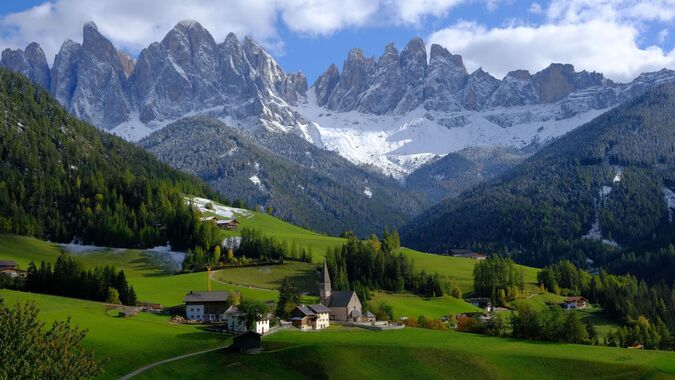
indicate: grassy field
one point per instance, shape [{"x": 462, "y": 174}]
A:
[
  {"x": 420, "y": 354},
  {"x": 456, "y": 268},
  {"x": 147, "y": 275},
  {"x": 407, "y": 305},
  {"x": 304, "y": 276},
  {"x": 127, "y": 343}
]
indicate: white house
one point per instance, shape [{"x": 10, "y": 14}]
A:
[
  {"x": 206, "y": 306},
  {"x": 236, "y": 321},
  {"x": 312, "y": 317}
]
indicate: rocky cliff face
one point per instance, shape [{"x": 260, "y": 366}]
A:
[
  {"x": 394, "y": 112},
  {"x": 30, "y": 62},
  {"x": 187, "y": 72}
]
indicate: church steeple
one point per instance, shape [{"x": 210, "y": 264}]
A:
[{"x": 324, "y": 287}]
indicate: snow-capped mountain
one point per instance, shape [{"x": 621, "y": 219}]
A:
[
  {"x": 186, "y": 73},
  {"x": 395, "y": 112},
  {"x": 401, "y": 110}
]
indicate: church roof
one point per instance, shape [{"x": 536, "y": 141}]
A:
[
  {"x": 340, "y": 298},
  {"x": 326, "y": 276}
]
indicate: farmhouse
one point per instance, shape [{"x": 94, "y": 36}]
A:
[
  {"x": 8, "y": 264},
  {"x": 206, "y": 306},
  {"x": 467, "y": 253},
  {"x": 312, "y": 317},
  {"x": 575, "y": 302},
  {"x": 343, "y": 305},
  {"x": 232, "y": 224},
  {"x": 236, "y": 321},
  {"x": 229, "y": 224},
  {"x": 483, "y": 303}
]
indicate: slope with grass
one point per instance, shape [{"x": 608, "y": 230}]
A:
[
  {"x": 151, "y": 280},
  {"x": 415, "y": 353},
  {"x": 125, "y": 343},
  {"x": 408, "y": 305}
]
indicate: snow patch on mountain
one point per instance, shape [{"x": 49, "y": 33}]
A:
[
  {"x": 669, "y": 197},
  {"x": 220, "y": 210},
  {"x": 368, "y": 193},
  {"x": 400, "y": 143}
]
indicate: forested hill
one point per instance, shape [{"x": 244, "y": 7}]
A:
[
  {"x": 302, "y": 184},
  {"x": 62, "y": 179},
  {"x": 610, "y": 180}
]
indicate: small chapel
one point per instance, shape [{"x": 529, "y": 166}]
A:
[{"x": 343, "y": 305}]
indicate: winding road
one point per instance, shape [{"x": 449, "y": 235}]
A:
[{"x": 155, "y": 364}]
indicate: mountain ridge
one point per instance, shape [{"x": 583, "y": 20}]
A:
[{"x": 429, "y": 104}]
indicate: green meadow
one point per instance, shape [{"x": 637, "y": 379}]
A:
[
  {"x": 124, "y": 343},
  {"x": 419, "y": 354}
]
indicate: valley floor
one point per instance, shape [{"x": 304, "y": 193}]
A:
[
  {"x": 131, "y": 343},
  {"x": 419, "y": 354}
]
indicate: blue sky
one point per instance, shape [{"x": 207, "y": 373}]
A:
[{"x": 620, "y": 38}]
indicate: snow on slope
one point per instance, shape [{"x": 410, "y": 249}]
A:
[
  {"x": 220, "y": 210},
  {"x": 669, "y": 196},
  {"x": 398, "y": 144}
]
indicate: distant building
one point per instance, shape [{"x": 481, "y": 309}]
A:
[
  {"x": 8, "y": 264},
  {"x": 206, "y": 306},
  {"x": 248, "y": 342},
  {"x": 483, "y": 303},
  {"x": 468, "y": 254},
  {"x": 343, "y": 305},
  {"x": 226, "y": 224},
  {"x": 312, "y": 317},
  {"x": 575, "y": 302},
  {"x": 236, "y": 321},
  {"x": 232, "y": 224},
  {"x": 365, "y": 317}
]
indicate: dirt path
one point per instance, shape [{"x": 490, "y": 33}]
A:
[
  {"x": 241, "y": 285},
  {"x": 155, "y": 364}
]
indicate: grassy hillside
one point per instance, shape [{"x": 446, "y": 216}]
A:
[
  {"x": 145, "y": 273},
  {"x": 421, "y": 354},
  {"x": 154, "y": 282},
  {"x": 128, "y": 343}
]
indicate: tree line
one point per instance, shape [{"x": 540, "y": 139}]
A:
[
  {"x": 62, "y": 179},
  {"x": 67, "y": 278},
  {"x": 499, "y": 279},
  {"x": 254, "y": 247},
  {"x": 373, "y": 264},
  {"x": 647, "y": 312}
]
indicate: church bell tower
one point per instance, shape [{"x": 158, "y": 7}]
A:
[{"x": 324, "y": 287}]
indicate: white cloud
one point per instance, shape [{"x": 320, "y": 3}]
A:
[
  {"x": 133, "y": 24},
  {"x": 594, "y": 35}
]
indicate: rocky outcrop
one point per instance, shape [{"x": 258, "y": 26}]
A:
[
  {"x": 516, "y": 89},
  {"x": 387, "y": 85},
  {"x": 100, "y": 89},
  {"x": 445, "y": 79},
  {"x": 558, "y": 81},
  {"x": 354, "y": 81},
  {"x": 325, "y": 84},
  {"x": 30, "y": 62},
  {"x": 479, "y": 87}
]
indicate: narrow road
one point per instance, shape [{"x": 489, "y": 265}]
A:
[
  {"x": 240, "y": 285},
  {"x": 155, "y": 364}
]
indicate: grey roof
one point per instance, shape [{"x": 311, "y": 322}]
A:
[
  {"x": 7, "y": 263},
  {"x": 206, "y": 297},
  {"x": 369, "y": 314},
  {"x": 319, "y": 308},
  {"x": 305, "y": 310},
  {"x": 340, "y": 298},
  {"x": 461, "y": 251}
]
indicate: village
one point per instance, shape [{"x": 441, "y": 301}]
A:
[{"x": 218, "y": 308}]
